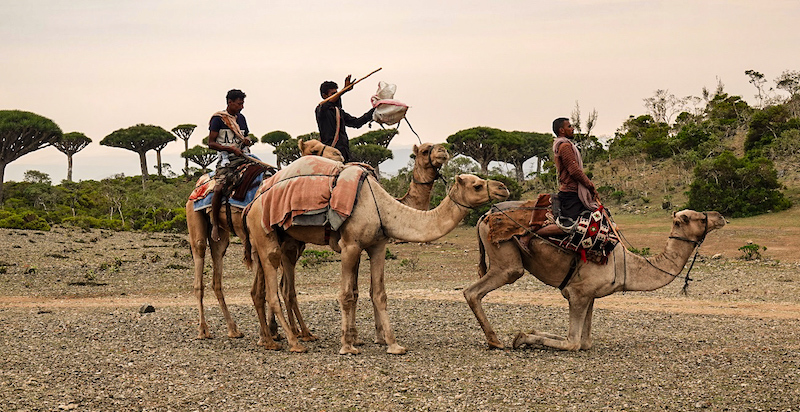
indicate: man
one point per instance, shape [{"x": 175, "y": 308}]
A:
[
  {"x": 331, "y": 119},
  {"x": 228, "y": 135},
  {"x": 576, "y": 193}
]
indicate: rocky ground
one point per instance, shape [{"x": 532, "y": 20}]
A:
[{"x": 72, "y": 336}]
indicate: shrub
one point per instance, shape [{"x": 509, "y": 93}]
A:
[
  {"x": 751, "y": 251},
  {"x": 737, "y": 187}
]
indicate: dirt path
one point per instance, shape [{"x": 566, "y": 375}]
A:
[{"x": 623, "y": 303}]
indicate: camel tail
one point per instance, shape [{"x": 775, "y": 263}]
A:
[
  {"x": 248, "y": 256},
  {"x": 481, "y": 250}
]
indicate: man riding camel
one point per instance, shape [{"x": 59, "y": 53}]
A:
[
  {"x": 332, "y": 119},
  {"x": 228, "y": 136},
  {"x": 576, "y": 193}
]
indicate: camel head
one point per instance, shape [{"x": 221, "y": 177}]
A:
[
  {"x": 695, "y": 226},
  {"x": 317, "y": 148},
  {"x": 430, "y": 155},
  {"x": 472, "y": 191}
]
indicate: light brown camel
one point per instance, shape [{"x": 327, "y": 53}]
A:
[
  {"x": 375, "y": 218},
  {"x": 199, "y": 226},
  {"x": 428, "y": 160},
  {"x": 624, "y": 271}
]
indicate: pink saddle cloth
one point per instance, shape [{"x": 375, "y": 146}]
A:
[{"x": 311, "y": 184}]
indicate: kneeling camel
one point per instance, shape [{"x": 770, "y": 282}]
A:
[{"x": 624, "y": 271}]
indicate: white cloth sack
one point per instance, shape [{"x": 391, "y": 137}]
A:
[{"x": 387, "y": 110}]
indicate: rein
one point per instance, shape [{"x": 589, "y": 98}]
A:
[
  {"x": 438, "y": 175},
  {"x": 696, "y": 244}
]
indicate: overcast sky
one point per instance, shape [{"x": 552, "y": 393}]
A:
[{"x": 95, "y": 66}]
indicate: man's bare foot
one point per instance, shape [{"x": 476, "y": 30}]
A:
[{"x": 215, "y": 233}]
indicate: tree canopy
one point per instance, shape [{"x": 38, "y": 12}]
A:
[
  {"x": 140, "y": 139},
  {"x": 479, "y": 143},
  {"x": 184, "y": 132},
  {"x": 201, "y": 156},
  {"x": 71, "y": 143},
  {"x": 21, "y": 133}
]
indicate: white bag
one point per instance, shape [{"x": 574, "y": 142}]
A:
[{"x": 387, "y": 110}]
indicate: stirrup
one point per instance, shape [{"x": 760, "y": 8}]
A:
[{"x": 566, "y": 224}]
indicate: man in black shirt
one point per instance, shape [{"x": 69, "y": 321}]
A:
[{"x": 331, "y": 119}]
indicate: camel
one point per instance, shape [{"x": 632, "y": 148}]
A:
[
  {"x": 199, "y": 226},
  {"x": 375, "y": 218},
  {"x": 428, "y": 160},
  {"x": 624, "y": 271}
]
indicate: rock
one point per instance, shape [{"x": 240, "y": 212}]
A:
[
  {"x": 717, "y": 256},
  {"x": 146, "y": 308}
]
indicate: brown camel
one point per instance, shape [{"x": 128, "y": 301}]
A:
[
  {"x": 428, "y": 159},
  {"x": 199, "y": 226},
  {"x": 376, "y": 217},
  {"x": 624, "y": 271}
]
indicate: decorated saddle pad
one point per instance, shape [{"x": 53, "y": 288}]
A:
[
  {"x": 509, "y": 219},
  {"x": 311, "y": 185},
  {"x": 201, "y": 195},
  {"x": 592, "y": 233}
]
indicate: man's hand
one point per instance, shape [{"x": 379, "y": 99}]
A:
[{"x": 347, "y": 81}]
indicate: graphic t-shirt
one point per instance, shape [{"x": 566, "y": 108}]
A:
[{"x": 227, "y": 137}]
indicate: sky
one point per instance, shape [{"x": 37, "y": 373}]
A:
[{"x": 96, "y": 66}]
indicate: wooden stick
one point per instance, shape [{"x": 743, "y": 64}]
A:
[
  {"x": 348, "y": 87},
  {"x": 254, "y": 160}
]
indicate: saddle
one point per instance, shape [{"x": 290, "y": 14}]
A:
[{"x": 591, "y": 235}]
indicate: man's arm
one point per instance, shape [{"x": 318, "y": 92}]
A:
[
  {"x": 570, "y": 162},
  {"x": 357, "y": 122},
  {"x": 213, "y": 134}
]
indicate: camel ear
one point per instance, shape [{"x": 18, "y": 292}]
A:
[
  {"x": 300, "y": 144},
  {"x": 459, "y": 180},
  {"x": 416, "y": 150}
]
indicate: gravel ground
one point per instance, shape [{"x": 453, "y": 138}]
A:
[{"x": 73, "y": 338}]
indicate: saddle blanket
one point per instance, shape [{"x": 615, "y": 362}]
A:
[
  {"x": 592, "y": 235},
  {"x": 517, "y": 218},
  {"x": 205, "y": 187},
  {"x": 311, "y": 185}
]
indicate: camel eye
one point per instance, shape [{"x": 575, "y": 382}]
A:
[
  {"x": 314, "y": 152},
  {"x": 478, "y": 187}
]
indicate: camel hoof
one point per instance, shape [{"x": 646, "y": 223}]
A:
[
  {"x": 396, "y": 349},
  {"x": 496, "y": 345},
  {"x": 518, "y": 340},
  {"x": 349, "y": 350},
  {"x": 277, "y": 336},
  {"x": 358, "y": 342},
  {"x": 298, "y": 349},
  {"x": 235, "y": 334},
  {"x": 269, "y": 345},
  {"x": 308, "y": 338},
  {"x": 380, "y": 341}
]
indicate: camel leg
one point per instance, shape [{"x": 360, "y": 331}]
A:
[
  {"x": 586, "y": 335},
  {"x": 259, "y": 295},
  {"x": 197, "y": 243},
  {"x": 269, "y": 266},
  {"x": 578, "y": 309},
  {"x": 377, "y": 291},
  {"x": 348, "y": 298},
  {"x": 289, "y": 264},
  {"x": 218, "y": 249},
  {"x": 474, "y": 294}
]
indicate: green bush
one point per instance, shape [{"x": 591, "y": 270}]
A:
[
  {"x": 736, "y": 187},
  {"x": 27, "y": 221}
]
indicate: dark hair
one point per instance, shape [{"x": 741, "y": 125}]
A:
[
  {"x": 235, "y": 94},
  {"x": 558, "y": 123},
  {"x": 327, "y": 85}
]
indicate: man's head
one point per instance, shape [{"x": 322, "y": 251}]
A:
[
  {"x": 328, "y": 88},
  {"x": 562, "y": 127},
  {"x": 235, "y": 99}
]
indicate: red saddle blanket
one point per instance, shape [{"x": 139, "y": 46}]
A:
[{"x": 311, "y": 184}]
